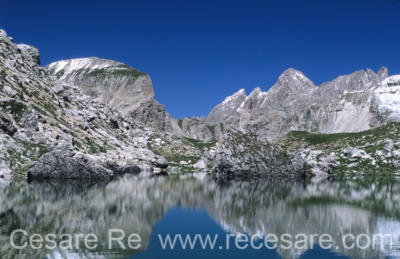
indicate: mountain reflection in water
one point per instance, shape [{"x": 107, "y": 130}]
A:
[{"x": 136, "y": 203}]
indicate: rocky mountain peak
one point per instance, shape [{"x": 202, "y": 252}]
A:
[
  {"x": 383, "y": 73},
  {"x": 3, "y": 35},
  {"x": 256, "y": 91},
  {"x": 238, "y": 95},
  {"x": 361, "y": 80},
  {"x": 114, "y": 83},
  {"x": 29, "y": 51},
  {"x": 292, "y": 77},
  {"x": 225, "y": 109},
  {"x": 290, "y": 85}
]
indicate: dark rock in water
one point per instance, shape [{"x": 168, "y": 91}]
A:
[
  {"x": 130, "y": 169},
  {"x": 160, "y": 162},
  {"x": 65, "y": 164}
]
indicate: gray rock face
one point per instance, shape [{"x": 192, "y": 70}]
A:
[
  {"x": 349, "y": 103},
  {"x": 197, "y": 129},
  {"x": 114, "y": 83},
  {"x": 245, "y": 155},
  {"x": 30, "y": 51},
  {"x": 7, "y": 124},
  {"x": 151, "y": 113},
  {"x": 124, "y": 89},
  {"x": 65, "y": 164},
  {"x": 227, "y": 108},
  {"x": 5, "y": 173}
]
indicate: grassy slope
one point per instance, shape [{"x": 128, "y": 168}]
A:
[{"x": 371, "y": 141}]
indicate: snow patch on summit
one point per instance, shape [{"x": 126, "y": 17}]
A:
[
  {"x": 233, "y": 97},
  {"x": 80, "y": 63}
]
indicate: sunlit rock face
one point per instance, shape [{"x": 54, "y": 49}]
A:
[
  {"x": 350, "y": 103},
  {"x": 127, "y": 90},
  {"x": 116, "y": 84},
  {"x": 136, "y": 203}
]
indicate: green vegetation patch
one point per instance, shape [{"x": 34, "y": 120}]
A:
[
  {"x": 212, "y": 130},
  {"x": 15, "y": 108},
  {"x": 199, "y": 144},
  {"x": 19, "y": 159},
  {"x": 93, "y": 147},
  {"x": 118, "y": 71}
]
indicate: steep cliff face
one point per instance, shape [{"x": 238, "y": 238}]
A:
[
  {"x": 121, "y": 87},
  {"x": 127, "y": 90},
  {"x": 350, "y": 103}
]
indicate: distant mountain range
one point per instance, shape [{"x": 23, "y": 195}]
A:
[{"x": 350, "y": 103}]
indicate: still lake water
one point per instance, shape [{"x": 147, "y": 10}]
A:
[{"x": 195, "y": 204}]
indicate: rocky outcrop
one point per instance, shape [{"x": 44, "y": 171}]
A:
[
  {"x": 246, "y": 155},
  {"x": 65, "y": 164}
]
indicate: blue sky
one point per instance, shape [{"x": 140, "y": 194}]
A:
[{"x": 199, "y": 52}]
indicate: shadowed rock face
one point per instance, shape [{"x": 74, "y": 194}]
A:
[{"x": 136, "y": 203}]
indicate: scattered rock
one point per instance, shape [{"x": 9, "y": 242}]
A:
[{"x": 256, "y": 157}]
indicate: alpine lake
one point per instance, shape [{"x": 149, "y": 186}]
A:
[{"x": 154, "y": 206}]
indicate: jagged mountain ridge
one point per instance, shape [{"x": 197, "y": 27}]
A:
[{"x": 350, "y": 103}]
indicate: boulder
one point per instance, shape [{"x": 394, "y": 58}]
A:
[
  {"x": 66, "y": 164},
  {"x": 160, "y": 162},
  {"x": 7, "y": 124}
]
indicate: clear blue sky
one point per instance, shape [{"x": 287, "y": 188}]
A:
[{"x": 199, "y": 52}]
